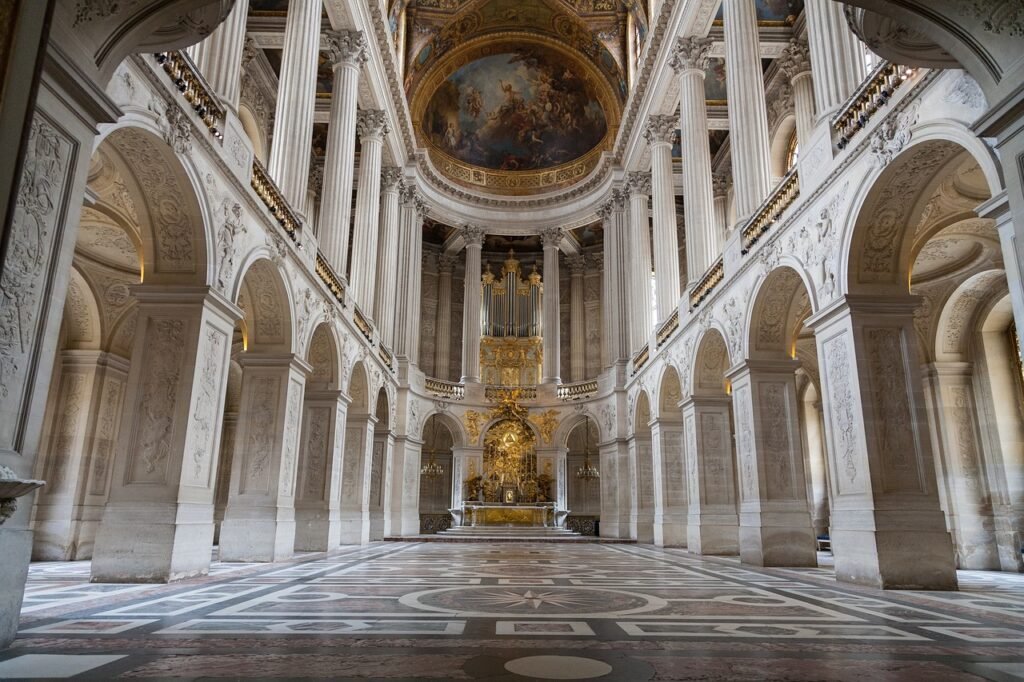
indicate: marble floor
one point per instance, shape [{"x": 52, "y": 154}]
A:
[{"x": 511, "y": 612}]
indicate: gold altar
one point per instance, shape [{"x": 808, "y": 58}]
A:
[{"x": 500, "y": 515}]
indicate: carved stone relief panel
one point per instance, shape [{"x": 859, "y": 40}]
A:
[
  {"x": 351, "y": 481},
  {"x": 692, "y": 482},
  {"x": 846, "y": 447},
  {"x": 261, "y": 427},
  {"x": 964, "y": 441},
  {"x": 715, "y": 434},
  {"x": 745, "y": 442},
  {"x": 377, "y": 475},
  {"x": 777, "y": 422},
  {"x": 207, "y": 408},
  {"x": 105, "y": 438},
  {"x": 66, "y": 438},
  {"x": 672, "y": 459},
  {"x": 315, "y": 453},
  {"x": 289, "y": 454}
]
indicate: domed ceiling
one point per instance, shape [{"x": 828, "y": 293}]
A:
[{"x": 515, "y": 97}]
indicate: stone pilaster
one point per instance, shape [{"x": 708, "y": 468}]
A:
[
  {"x": 471, "y": 304},
  {"x": 720, "y": 190},
  {"x": 670, "y": 499},
  {"x": 614, "y": 468},
  {"x": 372, "y": 127},
  {"x": 357, "y": 471},
  {"x": 443, "y": 342},
  {"x": 552, "y": 240},
  {"x": 219, "y": 56},
  {"x": 318, "y": 494},
  {"x": 748, "y": 118},
  {"x": 639, "y": 264},
  {"x": 837, "y": 58},
  {"x": 577, "y": 323},
  {"x": 380, "y": 496},
  {"x": 296, "y": 96},
  {"x": 348, "y": 53},
  {"x": 404, "y": 518},
  {"x": 712, "y": 526},
  {"x": 887, "y": 528},
  {"x": 659, "y": 133},
  {"x": 703, "y": 238},
  {"x": 410, "y": 250},
  {"x": 158, "y": 523},
  {"x": 259, "y": 522},
  {"x": 614, "y": 302},
  {"x": 387, "y": 254},
  {"x": 775, "y": 525}
]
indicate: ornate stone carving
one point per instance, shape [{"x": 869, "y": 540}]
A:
[
  {"x": 391, "y": 179},
  {"x": 292, "y": 414},
  {"x": 179, "y": 129},
  {"x": 346, "y": 47},
  {"x": 473, "y": 235},
  {"x": 372, "y": 123},
  {"x": 106, "y": 436},
  {"x": 262, "y": 422},
  {"x": 720, "y": 184},
  {"x": 638, "y": 182},
  {"x": 893, "y": 134},
  {"x": 546, "y": 422},
  {"x": 206, "y": 410},
  {"x": 733, "y": 326},
  {"x": 890, "y": 401},
  {"x": 775, "y": 425},
  {"x": 661, "y": 129},
  {"x": 552, "y": 237},
  {"x": 87, "y": 11},
  {"x": 156, "y": 411},
  {"x": 316, "y": 453},
  {"x": 795, "y": 58},
  {"x": 963, "y": 433},
  {"x": 746, "y": 453},
  {"x": 473, "y": 420},
  {"x": 229, "y": 230},
  {"x": 997, "y": 16},
  {"x": 842, "y": 408},
  {"x": 691, "y": 53},
  {"x": 966, "y": 91}
]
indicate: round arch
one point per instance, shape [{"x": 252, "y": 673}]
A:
[
  {"x": 780, "y": 304},
  {"x": 266, "y": 301},
  {"x": 324, "y": 356},
  {"x": 710, "y": 363}
]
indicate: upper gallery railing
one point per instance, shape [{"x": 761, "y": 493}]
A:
[
  {"x": 707, "y": 283},
  {"x": 873, "y": 94},
  {"x": 193, "y": 87},
  {"x": 445, "y": 389},
  {"x": 666, "y": 330},
  {"x": 275, "y": 201},
  {"x": 581, "y": 390},
  {"x": 771, "y": 209}
]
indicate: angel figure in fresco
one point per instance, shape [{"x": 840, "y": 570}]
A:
[
  {"x": 474, "y": 102},
  {"x": 451, "y": 139}
]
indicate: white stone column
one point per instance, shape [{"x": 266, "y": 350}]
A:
[
  {"x": 404, "y": 486},
  {"x": 614, "y": 301},
  {"x": 219, "y": 56},
  {"x": 552, "y": 240},
  {"x": 614, "y": 468},
  {"x": 670, "y": 502},
  {"x": 639, "y": 265},
  {"x": 837, "y": 58},
  {"x": 748, "y": 118},
  {"x": 158, "y": 523},
  {"x": 795, "y": 62},
  {"x": 380, "y": 464},
  {"x": 712, "y": 526},
  {"x": 387, "y": 255},
  {"x": 443, "y": 341},
  {"x": 77, "y": 453},
  {"x": 473, "y": 292},
  {"x": 720, "y": 190},
  {"x": 356, "y": 478},
  {"x": 775, "y": 523},
  {"x": 372, "y": 126},
  {"x": 659, "y": 134},
  {"x": 410, "y": 249},
  {"x": 318, "y": 497},
  {"x": 577, "y": 321},
  {"x": 887, "y": 528},
  {"x": 259, "y": 522},
  {"x": 348, "y": 54},
  {"x": 703, "y": 238},
  {"x": 296, "y": 97}
]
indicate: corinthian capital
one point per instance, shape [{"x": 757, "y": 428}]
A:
[
  {"x": 391, "y": 179},
  {"x": 372, "y": 123},
  {"x": 795, "y": 59},
  {"x": 346, "y": 47},
  {"x": 660, "y": 129},
  {"x": 691, "y": 54},
  {"x": 412, "y": 200},
  {"x": 473, "y": 235},
  {"x": 638, "y": 182},
  {"x": 551, "y": 237}
]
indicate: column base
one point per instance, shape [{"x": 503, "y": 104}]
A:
[
  {"x": 917, "y": 554},
  {"x": 670, "y": 531},
  {"x": 376, "y": 526},
  {"x": 777, "y": 539},
  {"x": 1010, "y": 558},
  {"x": 153, "y": 543},
  {"x": 610, "y": 529},
  {"x": 317, "y": 530},
  {"x": 16, "y": 549},
  {"x": 409, "y": 524},
  {"x": 65, "y": 534},
  {"x": 713, "y": 534},
  {"x": 976, "y": 548},
  {"x": 269, "y": 537},
  {"x": 641, "y": 528},
  {"x": 355, "y": 528}
]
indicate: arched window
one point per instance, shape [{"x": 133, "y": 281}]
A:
[{"x": 792, "y": 151}]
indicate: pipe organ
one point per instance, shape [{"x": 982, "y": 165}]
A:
[{"x": 510, "y": 316}]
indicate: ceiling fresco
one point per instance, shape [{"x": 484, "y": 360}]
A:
[{"x": 773, "y": 12}]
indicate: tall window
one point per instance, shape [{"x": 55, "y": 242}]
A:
[{"x": 792, "y": 151}]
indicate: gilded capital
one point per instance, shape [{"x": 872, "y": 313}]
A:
[
  {"x": 346, "y": 47},
  {"x": 691, "y": 54}
]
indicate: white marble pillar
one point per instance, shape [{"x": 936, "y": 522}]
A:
[
  {"x": 887, "y": 528},
  {"x": 372, "y": 126},
  {"x": 659, "y": 133},
  {"x": 615, "y": 496},
  {"x": 703, "y": 238},
  {"x": 712, "y": 525},
  {"x": 795, "y": 62},
  {"x": 670, "y": 499},
  {"x": 318, "y": 494},
  {"x": 552, "y": 240},
  {"x": 577, "y": 321},
  {"x": 259, "y": 522},
  {"x": 347, "y": 51},
  {"x": 443, "y": 341},
  {"x": 471, "y": 299},
  {"x": 404, "y": 485},
  {"x": 158, "y": 522},
  {"x": 638, "y": 268},
  {"x": 614, "y": 302},
  {"x": 775, "y": 522},
  {"x": 296, "y": 97},
  {"x": 357, "y": 471},
  {"x": 410, "y": 267},
  {"x": 748, "y": 118},
  {"x": 837, "y": 58},
  {"x": 720, "y": 190},
  {"x": 380, "y": 464},
  {"x": 219, "y": 56},
  {"x": 387, "y": 255}
]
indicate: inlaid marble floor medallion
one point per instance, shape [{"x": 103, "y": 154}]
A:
[{"x": 504, "y": 612}]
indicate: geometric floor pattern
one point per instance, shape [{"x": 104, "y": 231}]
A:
[{"x": 514, "y": 612}]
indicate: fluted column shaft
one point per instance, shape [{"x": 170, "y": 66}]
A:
[
  {"x": 296, "y": 96},
  {"x": 443, "y": 345},
  {"x": 219, "y": 57},
  {"x": 348, "y": 50},
  {"x": 639, "y": 267},
  {"x": 795, "y": 63},
  {"x": 614, "y": 303},
  {"x": 703, "y": 238},
  {"x": 720, "y": 190},
  {"x": 410, "y": 249},
  {"x": 387, "y": 255},
  {"x": 372, "y": 129},
  {"x": 837, "y": 58},
  {"x": 551, "y": 239},
  {"x": 748, "y": 118},
  {"x": 577, "y": 321},
  {"x": 666, "y": 257},
  {"x": 471, "y": 305}
]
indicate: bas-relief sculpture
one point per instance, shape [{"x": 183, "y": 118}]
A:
[{"x": 525, "y": 110}]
